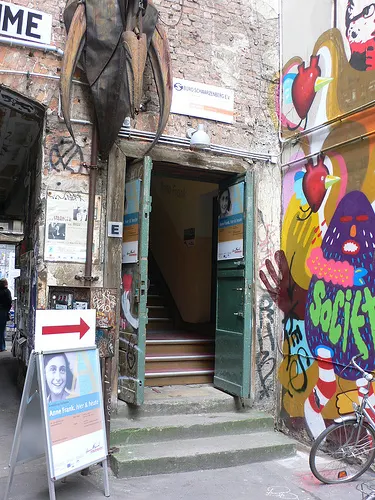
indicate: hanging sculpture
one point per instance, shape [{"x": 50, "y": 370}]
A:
[{"x": 110, "y": 41}]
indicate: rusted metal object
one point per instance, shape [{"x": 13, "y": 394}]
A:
[{"x": 111, "y": 40}]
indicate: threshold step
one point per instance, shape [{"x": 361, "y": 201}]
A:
[
  {"x": 187, "y": 426},
  {"x": 197, "y": 454}
]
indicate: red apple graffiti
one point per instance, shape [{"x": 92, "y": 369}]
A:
[
  {"x": 316, "y": 181},
  {"x": 303, "y": 89}
]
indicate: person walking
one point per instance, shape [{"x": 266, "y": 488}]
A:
[{"x": 5, "y": 305}]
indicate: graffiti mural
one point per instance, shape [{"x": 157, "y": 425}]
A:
[{"x": 322, "y": 278}]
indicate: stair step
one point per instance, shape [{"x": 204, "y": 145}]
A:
[
  {"x": 177, "y": 341},
  {"x": 180, "y": 357},
  {"x": 168, "y": 427},
  {"x": 158, "y": 312},
  {"x": 177, "y": 349},
  {"x": 180, "y": 366},
  {"x": 159, "y": 324},
  {"x": 170, "y": 373},
  {"x": 163, "y": 457},
  {"x": 180, "y": 379}
]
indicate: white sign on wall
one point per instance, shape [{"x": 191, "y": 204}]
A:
[
  {"x": 64, "y": 329},
  {"x": 27, "y": 24},
  {"x": 203, "y": 101}
]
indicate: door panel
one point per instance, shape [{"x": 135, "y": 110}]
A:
[
  {"x": 234, "y": 287},
  {"x": 134, "y": 282}
]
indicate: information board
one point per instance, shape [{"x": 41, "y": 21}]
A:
[{"x": 71, "y": 388}]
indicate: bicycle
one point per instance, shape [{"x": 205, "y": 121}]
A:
[{"x": 346, "y": 449}]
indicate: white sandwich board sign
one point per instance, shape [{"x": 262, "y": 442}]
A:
[{"x": 62, "y": 397}]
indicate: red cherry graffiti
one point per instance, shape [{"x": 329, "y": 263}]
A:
[
  {"x": 313, "y": 183},
  {"x": 303, "y": 88}
]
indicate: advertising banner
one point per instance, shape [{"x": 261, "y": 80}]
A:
[
  {"x": 230, "y": 224},
  {"x": 72, "y": 396},
  {"x": 131, "y": 222}
]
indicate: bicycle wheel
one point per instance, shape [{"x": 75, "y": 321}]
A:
[{"x": 342, "y": 452}]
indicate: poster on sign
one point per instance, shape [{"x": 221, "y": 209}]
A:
[
  {"x": 131, "y": 222},
  {"x": 230, "y": 224},
  {"x": 71, "y": 394}
]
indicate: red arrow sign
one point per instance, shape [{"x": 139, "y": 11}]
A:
[{"x": 82, "y": 328}]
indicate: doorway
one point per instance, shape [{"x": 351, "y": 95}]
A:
[
  {"x": 180, "y": 334},
  {"x": 178, "y": 254},
  {"x": 21, "y": 126}
]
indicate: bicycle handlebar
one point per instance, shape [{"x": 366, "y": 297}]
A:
[{"x": 368, "y": 376}]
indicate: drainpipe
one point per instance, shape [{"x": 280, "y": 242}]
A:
[
  {"x": 31, "y": 45},
  {"x": 89, "y": 279},
  {"x": 93, "y": 167}
]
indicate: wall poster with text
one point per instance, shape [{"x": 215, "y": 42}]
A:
[
  {"x": 66, "y": 226},
  {"x": 230, "y": 224},
  {"x": 74, "y": 408}
]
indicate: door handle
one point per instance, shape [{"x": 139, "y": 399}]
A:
[{"x": 239, "y": 314}]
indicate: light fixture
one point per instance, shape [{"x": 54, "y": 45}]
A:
[{"x": 199, "y": 139}]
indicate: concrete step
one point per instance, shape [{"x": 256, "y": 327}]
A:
[
  {"x": 163, "y": 457},
  {"x": 169, "y": 427},
  {"x": 181, "y": 400}
]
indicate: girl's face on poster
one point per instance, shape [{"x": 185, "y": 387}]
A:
[
  {"x": 56, "y": 375},
  {"x": 224, "y": 202}
]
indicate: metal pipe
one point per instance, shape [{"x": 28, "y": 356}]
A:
[
  {"x": 329, "y": 148},
  {"x": 129, "y": 133},
  {"x": 91, "y": 208},
  {"x": 40, "y": 75},
  {"x": 31, "y": 45},
  {"x": 339, "y": 118}
]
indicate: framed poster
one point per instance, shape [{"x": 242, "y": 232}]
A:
[
  {"x": 230, "y": 224},
  {"x": 66, "y": 226},
  {"x": 73, "y": 409},
  {"x": 131, "y": 222}
]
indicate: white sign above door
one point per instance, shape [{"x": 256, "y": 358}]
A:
[{"x": 203, "y": 101}]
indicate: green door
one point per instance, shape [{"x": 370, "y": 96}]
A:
[
  {"x": 133, "y": 319},
  {"x": 234, "y": 299}
]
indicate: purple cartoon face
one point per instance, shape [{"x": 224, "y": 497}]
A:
[{"x": 351, "y": 233}]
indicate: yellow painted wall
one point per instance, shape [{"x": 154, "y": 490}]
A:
[{"x": 177, "y": 205}]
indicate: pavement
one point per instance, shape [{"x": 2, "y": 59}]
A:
[{"x": 288, "y": 479}]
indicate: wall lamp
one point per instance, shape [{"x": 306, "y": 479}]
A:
[{"x": 199, "y": 139}]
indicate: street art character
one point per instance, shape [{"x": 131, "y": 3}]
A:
[
  {"x": 311, "y": 185},
  {"x": 340, "y": 306},
  {"x": 339, "y": 315},
  {"x": 360, "y": 33}
]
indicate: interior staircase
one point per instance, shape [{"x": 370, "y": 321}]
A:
[
  {"x": 180, "y": 429},
  {"x": 174, "y": 355}
]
